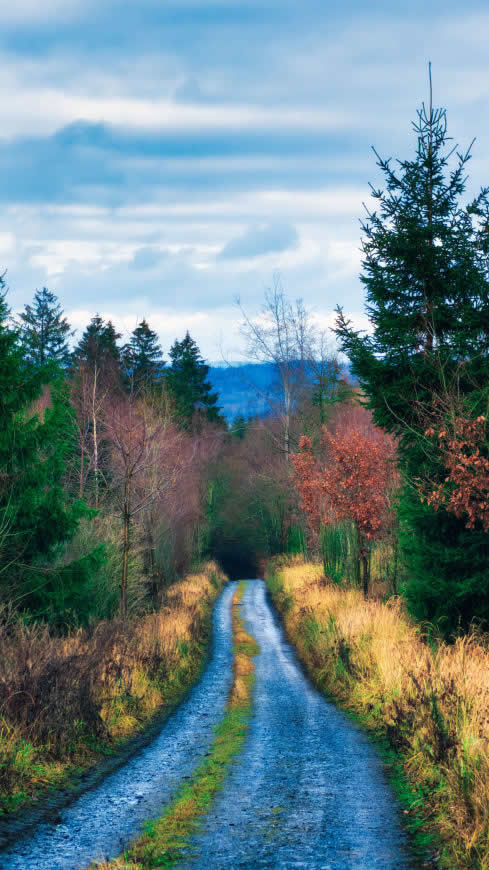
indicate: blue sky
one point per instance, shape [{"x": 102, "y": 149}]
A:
[{"x": 160, "y": 157}]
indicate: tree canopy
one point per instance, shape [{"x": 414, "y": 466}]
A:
[
  {"x": 143, "y": 358},
  {"x": 426, "y": 273},
  {"x": 36, "y": 512},
  {"x": 98, "y": 343},
  {"x": 188, "y": 384},
  {"x": 45, "y": 331}
]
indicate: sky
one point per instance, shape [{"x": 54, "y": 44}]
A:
[{"x": 159, "y": 158}]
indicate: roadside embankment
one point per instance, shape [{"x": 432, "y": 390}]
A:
[
  {"x": 166, "y": 840},
  {"x": 66, "y": 702},
  {"x": 428, "y": 702}
]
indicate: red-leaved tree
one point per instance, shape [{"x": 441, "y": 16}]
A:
[
  {"x": 464, "y": 448},
  {"x": 352, "y": 479}
]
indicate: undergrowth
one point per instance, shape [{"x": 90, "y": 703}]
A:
[
  {"x": 67, "y": 701},
  {"x": 425, "y": 700},
  {"x": 165, "y": 840}
]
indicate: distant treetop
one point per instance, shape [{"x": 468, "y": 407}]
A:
[{"x": 45, "y": 331}]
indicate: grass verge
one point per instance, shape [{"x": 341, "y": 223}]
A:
[
  {"x": 165, "y": 840},
  {"x": 427, "y": 703},
  {"x": 66, "y": 703}
]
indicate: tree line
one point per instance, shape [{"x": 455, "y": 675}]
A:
[
  {"x": 100, "y": 448},
  {"x": 118, "y": 469}
]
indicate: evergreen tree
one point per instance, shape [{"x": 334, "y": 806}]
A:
[
  {"x": 35, "y": 515},
  {"x": 45, "y": 331},
  {"x": 143, "y": 358},
  {"x": 187, "y": 383},
  {"x": 98, "y": 343},
  {"x": 329, "y": 388},
  {"x": 239, "y": 427},
  {"x": 426, "y": 274}
]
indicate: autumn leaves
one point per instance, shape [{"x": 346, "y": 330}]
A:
[{"x": 350, "y": 476}]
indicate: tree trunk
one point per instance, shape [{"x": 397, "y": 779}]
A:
[
  {"x": 82, "y": 463},
  {"x": 322, "y": 412},
  {"x": 429, "y": 309},
  {"x": 152, "y": 569},
  {"x": 395, "y": 568},
  {"x": 365, "y": 573},
  {"x": 95, "y": 435},
  {"x": 126, "y": 544},
  {"x": 287, "y": 402}
]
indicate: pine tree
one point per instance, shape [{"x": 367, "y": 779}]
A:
[
  {"x": 143, "y": 358},
  {"x": 329, "y": 388},
  {"x": 98, "y": 343},
  {"x": 239, "y": 427},
  {"x": 35, "y": 514},
  {"x": 426, "y": 273},
  {"x": 187, "y": 383},
  {"x": 45, "y": 331}
]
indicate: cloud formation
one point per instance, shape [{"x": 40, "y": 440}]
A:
[
  {"x": 156, "y": 159},
  {"x": 258, "y": 240}
]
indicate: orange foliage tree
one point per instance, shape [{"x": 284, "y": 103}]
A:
[
  {"x": 464, "y": 447},
  {"x": 353, "y": 480}
]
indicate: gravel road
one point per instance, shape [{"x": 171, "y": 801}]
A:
[{"x": 308, "y": 791}]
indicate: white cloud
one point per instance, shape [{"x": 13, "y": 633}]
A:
[
  {"x": 170, "y": 323},
  {"x": 352, "y": 79},
  {"x": 7, "y": 244},
  {"x": 33, "y": 11},
  {"x": 43, "y": 110},
  {"x": 217, "y": 333}
]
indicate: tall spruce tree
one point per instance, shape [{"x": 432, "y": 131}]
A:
[
  {"x": 143, "y": 358},
  {"x": 45, "y": 331},
  {"x": 36, "y": 515},
  {"x": 187, "y": 383},
  {"x": 426, "y": 274},
  {"x": 98, "y": 343}
]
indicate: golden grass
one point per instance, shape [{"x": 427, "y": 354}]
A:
[
  {"x": 430, "y": 700},
  {"x": 165, "y": 840},
  {"x": 65, "y": 701}
]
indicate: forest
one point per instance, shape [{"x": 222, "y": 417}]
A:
[{"x": 120, "y": 479}]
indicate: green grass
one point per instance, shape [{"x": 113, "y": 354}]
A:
[{"x": 166, "y": 839}]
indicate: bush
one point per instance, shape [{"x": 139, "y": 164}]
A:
[
  {"x": 340, "y": 552},
  {"x": 61, "y": 696}
]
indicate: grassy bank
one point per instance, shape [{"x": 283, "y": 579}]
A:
[
  {"x": 429, "y": 702},
  {"x": 67, "y": 702},
  {"x": 165, "y": 840}
]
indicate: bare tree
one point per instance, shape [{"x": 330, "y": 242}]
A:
[
  {"x": 145, "y": 464},
  {"x": 278, "y": 337},
  {"x": 329, "y": 386},
  {"x": 285, "y": 336},
  {"x": 90, "y": 390}
]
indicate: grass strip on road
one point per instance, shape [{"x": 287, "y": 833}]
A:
[{"x": 165, "y": 840}]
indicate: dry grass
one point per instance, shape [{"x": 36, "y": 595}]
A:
[
  {"x": 430, "y": 700},
  {"x": 63, "y": 701}
]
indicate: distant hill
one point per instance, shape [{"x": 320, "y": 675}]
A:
[{"x": 235, "y": 385}]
